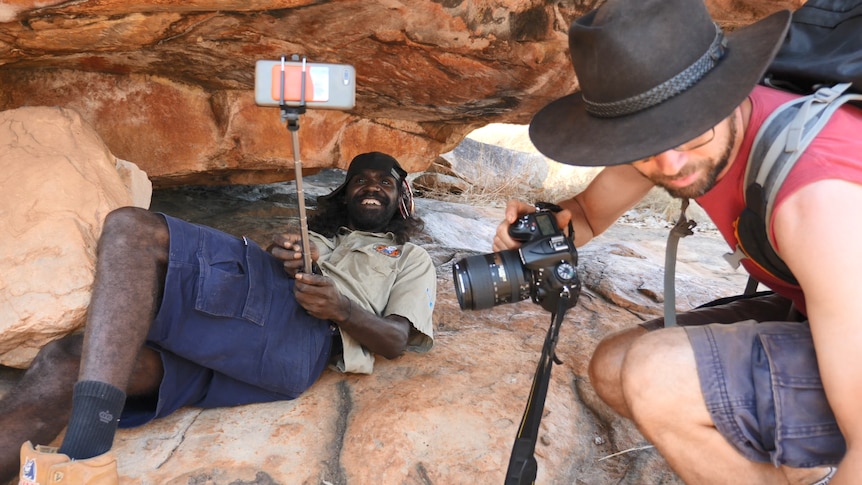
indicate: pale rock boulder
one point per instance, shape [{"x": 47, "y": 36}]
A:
[
  {"x": 58, "y": 183},
  {"x": 136, "y": 181}
]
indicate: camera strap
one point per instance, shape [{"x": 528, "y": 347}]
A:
[
  {"x": 683, "y": 227},
  {"x": 522, "y": 463}
]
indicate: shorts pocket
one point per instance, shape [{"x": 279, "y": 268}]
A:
[
  {"x": 226, "y": 284},
  {"x": 805, "y": 431}
]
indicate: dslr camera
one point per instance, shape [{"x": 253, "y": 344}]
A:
[{"x": 543, "y": 268}]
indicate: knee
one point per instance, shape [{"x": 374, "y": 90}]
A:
[
  {"x": 654, "y": 370},
  {"x": 607, "y": 360},
  {"x": 132, "y": 220},
  {"x": 133, "y": 226},
  {"x": 61, "y": 356},
  {"x": 605, "y": 368}
]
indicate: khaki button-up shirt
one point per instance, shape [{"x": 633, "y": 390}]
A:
[{"x": 383, "y": 278}]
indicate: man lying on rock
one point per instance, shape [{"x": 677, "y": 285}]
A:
[{"x": 185, "y": 315}]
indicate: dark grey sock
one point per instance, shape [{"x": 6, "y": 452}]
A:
[{"x": 96, "y": 408}]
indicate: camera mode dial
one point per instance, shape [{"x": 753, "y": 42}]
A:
[{"x": 522, "y": 230}]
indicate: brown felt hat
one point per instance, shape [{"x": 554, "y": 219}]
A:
[{"x": 653, "y": 75}]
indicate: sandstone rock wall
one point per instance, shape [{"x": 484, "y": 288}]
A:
[{"x": 168, "y": 85}]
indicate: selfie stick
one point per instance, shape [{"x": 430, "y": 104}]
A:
[{"x": 291, "y": 115}]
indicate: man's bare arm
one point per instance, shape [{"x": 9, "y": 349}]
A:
[
  {"x": 613, "y": 191},
  {"x": 386, "y": 336},
  {"x": 818, "y": 231}
]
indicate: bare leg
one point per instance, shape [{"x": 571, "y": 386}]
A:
[
  {"x": 606, "y": 366},
  {"x": 130, "y": 273},
  {"x": 662, "y": 390},
  {"x": 38, "y": 407}
]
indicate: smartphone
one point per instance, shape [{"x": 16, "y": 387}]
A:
[{"x": 328, "y": 86}]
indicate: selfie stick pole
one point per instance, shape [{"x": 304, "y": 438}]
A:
[{"x": 290, "y": 114}]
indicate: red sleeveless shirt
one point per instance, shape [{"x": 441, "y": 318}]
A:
[{"x": 836, "y": 153}]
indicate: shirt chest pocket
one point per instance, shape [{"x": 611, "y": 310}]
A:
[
  {"x": 367, "y": 271},
  {"x": 380, "y": 258}
]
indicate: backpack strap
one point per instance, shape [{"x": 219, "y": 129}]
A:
[
  {"x": 779, "y": 142},
  {"x": 784, "y": 136}
]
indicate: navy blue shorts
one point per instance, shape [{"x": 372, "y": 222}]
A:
[
  {"x": 759, "y": 376},
  {"x": 229, "y": 330}
]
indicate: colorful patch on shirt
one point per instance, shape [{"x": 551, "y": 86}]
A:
[{"x": 391, "y": 251}]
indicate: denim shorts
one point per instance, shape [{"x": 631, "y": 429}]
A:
[
  {"x": 228, "y": 329},
  {"x": 760, "y": 379}
]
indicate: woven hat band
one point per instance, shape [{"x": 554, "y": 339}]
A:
[{"x": 666, "y": 90}]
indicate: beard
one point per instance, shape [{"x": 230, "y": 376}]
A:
[
  {"x": 371, "y": 218},
  {"x": 710, "y": 167}
]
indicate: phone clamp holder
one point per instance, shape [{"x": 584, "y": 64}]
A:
[{"x": 290, "y": 114}]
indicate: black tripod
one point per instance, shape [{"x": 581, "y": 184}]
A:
[{"x": 522, "y": 464}]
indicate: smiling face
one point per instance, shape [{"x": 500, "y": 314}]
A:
[{"x": 372, "y": 199}]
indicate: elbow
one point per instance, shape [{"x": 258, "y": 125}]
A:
[
  {"x": 396, "y": 347},
  {"x": 393, "y": 354},
  {"x": 395, "y": 338}
]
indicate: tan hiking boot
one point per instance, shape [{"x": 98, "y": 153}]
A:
[{"x": 43, "y": 466}]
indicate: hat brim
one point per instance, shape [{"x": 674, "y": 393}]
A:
[{"x": 563, "y": 131}]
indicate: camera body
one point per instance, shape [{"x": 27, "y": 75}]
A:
[
  {"x": 327, "y": 86},
  {"x": 543, "y": 268}
]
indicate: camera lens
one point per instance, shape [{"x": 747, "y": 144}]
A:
[{"x": 488, "y": 280}]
